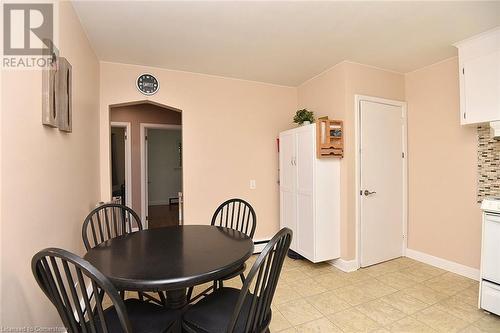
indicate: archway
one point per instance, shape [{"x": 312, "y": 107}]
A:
[{"x": 154, "y": 162}]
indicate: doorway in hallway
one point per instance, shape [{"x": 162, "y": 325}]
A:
[
  {"x": 120, "y": 162},
  {"x": 163, "y": 159},
  {"x": 153, "y": 168}
]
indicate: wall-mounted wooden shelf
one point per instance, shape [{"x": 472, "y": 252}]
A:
[{"x": 330, "y": 138}]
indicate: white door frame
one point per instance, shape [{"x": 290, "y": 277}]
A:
[
  {"x": 357, "y": 139},
  {"x": 144, "y": 183},
  {"x": 128, "y": 159}
]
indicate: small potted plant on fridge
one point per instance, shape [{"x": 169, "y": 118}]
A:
[{"x": 303, "y": 117}]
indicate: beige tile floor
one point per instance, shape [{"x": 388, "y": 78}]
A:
[{"x": 400, "y": 295}]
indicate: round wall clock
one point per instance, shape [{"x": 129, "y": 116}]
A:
[{"x": 147, "y": 84}]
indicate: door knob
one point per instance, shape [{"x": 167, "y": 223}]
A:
[{"x": 366, "y": 192}]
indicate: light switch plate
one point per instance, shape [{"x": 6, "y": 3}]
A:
[{"x": 253, "y": 184}]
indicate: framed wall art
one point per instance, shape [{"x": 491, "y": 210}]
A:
[
  {"x": 49, "y": 114},
  {"x": 64, "y": 95}
]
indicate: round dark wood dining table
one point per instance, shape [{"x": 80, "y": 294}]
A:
[{"x": 171, "y": 259}]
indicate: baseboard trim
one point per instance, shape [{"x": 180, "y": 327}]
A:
[
  {"x": 259, "y": 245},
  {"x": 451, "y": 266},
  {"x": 344, "y": 265}
]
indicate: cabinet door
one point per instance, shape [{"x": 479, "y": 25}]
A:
[
  {"x": 288, "y": 215},
  {"x": 288, "y": 179},
  {"x": 305, "y": 186},
  {"x": 480, "y": 89},
  {"x": 287, "y": 162}
]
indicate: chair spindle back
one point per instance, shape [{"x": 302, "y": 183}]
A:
[
  {"x": 108, "y": 221},
  {"x": 236, "y": 214},
  {"x": 261, "y": 282},
  {"x": 77, "y": 289}
]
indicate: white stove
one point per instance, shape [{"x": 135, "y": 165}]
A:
[
  {"x": 489, "y": 283},
  {"x": 491, "y": 204}
]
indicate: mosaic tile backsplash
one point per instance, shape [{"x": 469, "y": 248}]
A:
[{"x": 488, "y": 164}]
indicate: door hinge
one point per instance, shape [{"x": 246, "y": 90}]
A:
[
  {"x": 146, "y": 137},
  {"x": 403, "y": 154},
  {"x": 465, "y": 115},
  {"x": 147, "y": 218},
  {"x": 125, "y": 136},
  {"x": 463, "y": 70}
]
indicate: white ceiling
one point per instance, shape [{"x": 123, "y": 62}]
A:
[{"x": 280, "y": 42}]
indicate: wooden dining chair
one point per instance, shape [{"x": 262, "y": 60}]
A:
[
  {"x": 247, "y": 310},
  {"x": 235, "y": 214},
  {"x": 78, "y": 291},
  {"x": 109, "y": 221}
]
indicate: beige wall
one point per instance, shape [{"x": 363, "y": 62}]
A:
[
  {"x": 229, "y": 136},
  {"x": 444, "y": 218},
  {"x": 332, "y": 93},
  {"x": 431, "y": 92},
  {"x": 50, "y": 179},
  {"x": 135, "y": 115}
]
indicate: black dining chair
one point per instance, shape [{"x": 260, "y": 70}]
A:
[
  {"x": 247, "y": 310},
  {"x": 109, "y": 221},
  {"x": 77, "y": 290},
  {"x": 235, "y": 214},
  {"x": 239, "y": 215}
]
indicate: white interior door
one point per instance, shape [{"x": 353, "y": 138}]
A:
[{"x": 381, "y": 180}]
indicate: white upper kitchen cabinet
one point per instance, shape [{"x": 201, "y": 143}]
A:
[{"x": 479, "y": 69}]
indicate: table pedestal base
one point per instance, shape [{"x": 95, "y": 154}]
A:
[{"x": 176, "y": 299}]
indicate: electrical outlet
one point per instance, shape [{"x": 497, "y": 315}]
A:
[{"x": 253, "y": 184}]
